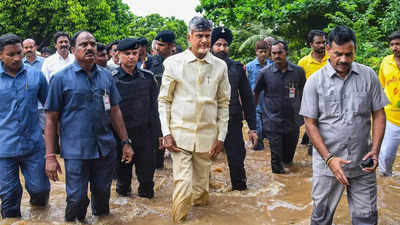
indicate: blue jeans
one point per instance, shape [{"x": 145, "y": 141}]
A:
[
  {"x": 260, "y": 144},
  {"x": 36, "y": 182},
  {"x": 390, "y": 144}
]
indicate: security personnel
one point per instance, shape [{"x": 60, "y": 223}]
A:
[
  {"x": 165, "y": 42},
  {"x": 137, "y": 88},
  {"x": 221, "y": 38},
  {"x": 21, "y": 141}
]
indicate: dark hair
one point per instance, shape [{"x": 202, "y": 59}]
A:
[
  {"x": 394, "y": 35},
  {"x": 341, "y": 35},
  {"x": 76, "y": 35},
  {"x": 109, "y": 46},
  {"x": 285, "y": 46},
  {"x": 46, "y": 50},
  {"x": 60, "y": 34},
  {"x": 313, "y": 33},
  {"x": 101, "y": 47},
  {"x": 261, "y": 44},
  {"x": 9, "y": 39}
]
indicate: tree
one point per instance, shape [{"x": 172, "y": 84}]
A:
[
  {"x": 150, "y": 25},
  {"x": 40, "y": 19},
  {"x": 293, "y": 19}
]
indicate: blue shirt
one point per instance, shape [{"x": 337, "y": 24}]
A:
[
  {"x": 86, "y": 130},
  {"x": 37, "y": 63},
  {"x": 20, "y": 132},
  {"x": 253, "y": 68}
]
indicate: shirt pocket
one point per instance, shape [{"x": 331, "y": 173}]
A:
[
  {"x": 77, "y": 99},
  {"x": 331, "y": 105},
  {"x": 360, "y": 103}
]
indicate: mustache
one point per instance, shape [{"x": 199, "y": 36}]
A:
[
  {"x": 90, "y": 52},
  {"x": 64, "y": 46},
  {"x": 343, "y": 64}
]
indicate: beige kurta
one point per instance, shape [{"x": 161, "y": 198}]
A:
[{"x": 194, "y": 100}]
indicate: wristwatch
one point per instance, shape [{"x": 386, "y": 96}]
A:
[{"x": 127, "y": 141}]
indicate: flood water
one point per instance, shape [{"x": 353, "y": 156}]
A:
[{"x": 270, "y": 199}]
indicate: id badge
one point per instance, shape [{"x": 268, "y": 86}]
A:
[
  {"x": 292, "y": 92},
  {"x": 106, "y": 101}
]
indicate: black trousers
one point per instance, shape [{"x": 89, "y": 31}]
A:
[
  {"x": 143, "y": 159},
  {"x": 283, "y": 148},
  {"x": 236, "y": 153}
]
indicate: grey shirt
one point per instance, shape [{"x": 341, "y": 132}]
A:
[{"x": 343, "y": 108}]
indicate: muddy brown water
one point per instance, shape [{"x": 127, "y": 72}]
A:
[{"x": 270, "y": 199}]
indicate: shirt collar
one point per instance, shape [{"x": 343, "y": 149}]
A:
[
  {"x": 354, "y": 69},
  {"x": 326, "y": 57},
  {"x": 136, "y": 73},
  {"x": 61, "y": 58},
  {"x": 191, "y": 57},
  {"x": 258, "y": 62},
  {"x": 276, "y": 69},
  {"x": 76, "y": 68},
  {"x": 3, "y": 72}
]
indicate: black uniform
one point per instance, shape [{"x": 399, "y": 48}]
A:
[
  {"x": 281, "y": 119},
  {"x": 234, "y": 144},
  {"x": 138, "y": 96},
  {"x": 155, "y": 65}
]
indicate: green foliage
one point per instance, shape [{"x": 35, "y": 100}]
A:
[
  {"x": 108, "y": 20},
  {"x": 150, "y": 25},
  {"x": 372, "y": 20}
]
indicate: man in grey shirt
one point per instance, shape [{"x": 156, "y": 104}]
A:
[{"x": 337, "y": 106}]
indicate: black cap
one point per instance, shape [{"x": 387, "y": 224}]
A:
[
  {"x": 221, "y": 32},
  {"x": 142, "y": 41},
  {"x": 166, "y": 36},
  {"x": 128, "y": 44}
]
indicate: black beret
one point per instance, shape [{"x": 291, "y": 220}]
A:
[
  {"x": 142, "y": 41},
  {"x": 166, "y": 36},
  {"x": 221, "y": 32},
  {"x": 128, "y": 44}
]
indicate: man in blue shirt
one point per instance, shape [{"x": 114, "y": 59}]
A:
[
  {"x": 29, "y": 46},
  {"x": 261, "y": 61},
  {"x": 84, "y": 99},
  {"x": 21, "y": 142}
]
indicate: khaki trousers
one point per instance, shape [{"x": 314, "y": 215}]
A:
[{"x": 191, "y": 180}]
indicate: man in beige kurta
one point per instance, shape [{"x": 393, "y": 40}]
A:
[{"x": 194, "y": 113}]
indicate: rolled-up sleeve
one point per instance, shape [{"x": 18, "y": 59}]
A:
[
  {"x": 165, "y": 97},
  {"x": 310, "y": 100},
  {"x": 223, "y": 98}
]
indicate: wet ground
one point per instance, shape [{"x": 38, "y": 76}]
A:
[{"x": 270, "y": 199}]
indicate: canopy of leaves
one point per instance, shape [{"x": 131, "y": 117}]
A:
[
  {"x": 108, "y": 20},
  {"x": 372, "y": 20}
]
